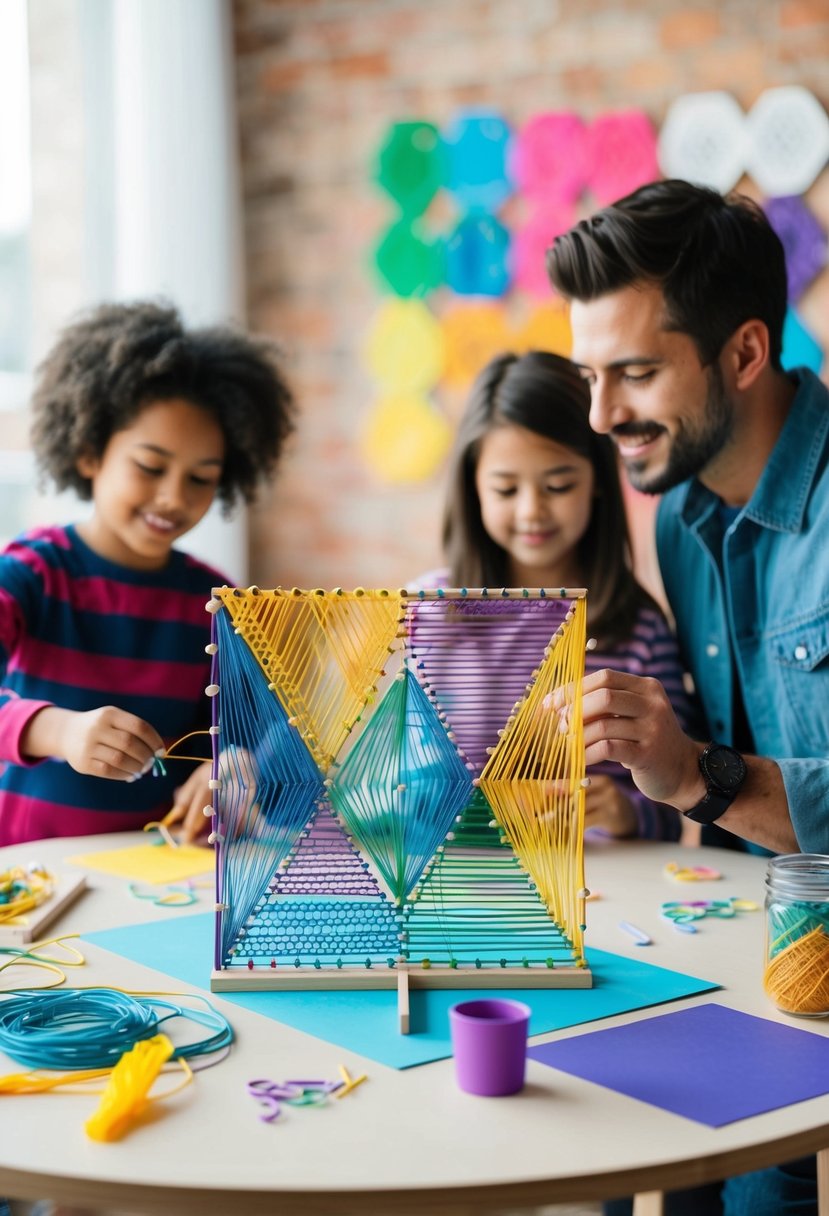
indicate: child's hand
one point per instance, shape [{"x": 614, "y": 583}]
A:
[
  {"x": 190, "y": 800},
  {"x": 608, "y": 808},
  {"x": 238, "y": 776},
  {"x": 105, "y": 742}
]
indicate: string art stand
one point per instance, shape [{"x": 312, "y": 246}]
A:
[{"x": 393, "y": 802}]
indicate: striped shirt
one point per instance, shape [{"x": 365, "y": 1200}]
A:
[
  {"x": 651, "y": 650},
  {"x": 81, "y": 632}
]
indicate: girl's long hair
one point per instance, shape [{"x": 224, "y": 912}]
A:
[{"x": 543, "y": 393}]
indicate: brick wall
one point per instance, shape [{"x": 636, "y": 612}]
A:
[{"x": 318, "y": 83}]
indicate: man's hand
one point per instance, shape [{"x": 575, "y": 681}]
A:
[
  {"x": 105, "y": 742},
  {"x": 629, "y": 719}
]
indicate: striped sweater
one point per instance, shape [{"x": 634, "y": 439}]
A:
[
  {"x": 651, "y": 650},
  {"x": 80, "y": 632}
]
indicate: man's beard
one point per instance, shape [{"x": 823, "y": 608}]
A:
[{"x": 691, "y": 450}]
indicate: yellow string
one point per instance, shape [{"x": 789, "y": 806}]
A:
[
  {"x": 125, "y": 1095},
  {"x": 38, "y": 1082},
  {"x": 30, "y": 956},
  {"x": 127, "y": 1092},
  {"x": 168, "y": 753},
  {"x": 322, "y": 654},
  {"x": 24, "y": 890},
  {"x": 534, "y": 780}
]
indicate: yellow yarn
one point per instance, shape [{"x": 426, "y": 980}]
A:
[
  {"x": 125, "y": 1096},
  {"x": 797, "y": 978}
]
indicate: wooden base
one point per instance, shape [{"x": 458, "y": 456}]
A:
[
  {"x": 34, "y": 924},
  {"x": 306, "y": 979}
]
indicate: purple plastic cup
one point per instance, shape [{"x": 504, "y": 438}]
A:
[{"x": 489, "y": 1043}]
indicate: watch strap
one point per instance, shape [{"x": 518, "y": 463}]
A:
[{"x": 709, "y": 809}]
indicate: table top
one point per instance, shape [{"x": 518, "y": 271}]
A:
[{"x": 407, "y": 1139}]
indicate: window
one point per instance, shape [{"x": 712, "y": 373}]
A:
[{"x": 16, "y": 476}]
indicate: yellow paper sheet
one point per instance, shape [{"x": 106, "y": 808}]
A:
[{"x": 150, "y": 863}]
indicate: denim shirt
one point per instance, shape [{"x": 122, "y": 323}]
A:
[{"x": 756, "y": 600}]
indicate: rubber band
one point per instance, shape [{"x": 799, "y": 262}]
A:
[
  {"x": 272, "y": 1094},
  {"x": 691, "y": 873},
  {"x": 683, "y": 912},
  {"x": 173, "y": 897}
]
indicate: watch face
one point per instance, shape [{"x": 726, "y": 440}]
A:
[{"x": 724, "y": 767}]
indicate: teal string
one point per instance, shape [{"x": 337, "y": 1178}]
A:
[{"x": 79, "y": 1028}]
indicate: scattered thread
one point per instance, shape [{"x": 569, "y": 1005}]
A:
[
  {"x": 83, "y": 1028},
  {"x": 33, "y": 956},
  {"x": 171, "y": 897},
  {"x": 22, "y": 890},
  {"x": 272, "y": 1094}
]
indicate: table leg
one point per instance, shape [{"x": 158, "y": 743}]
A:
[
  {"x": 823, "y": 1182},
  {"x": 651, "y": 1203}
]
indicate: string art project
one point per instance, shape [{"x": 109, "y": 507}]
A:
[{"x": 394, "y": 799}]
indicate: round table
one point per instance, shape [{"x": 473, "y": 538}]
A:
[{"x": 407, "y": 1141}]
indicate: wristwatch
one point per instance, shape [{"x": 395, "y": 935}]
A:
[{"x": 724, "y": 771}]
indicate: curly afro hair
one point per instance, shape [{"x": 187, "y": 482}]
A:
[{"x": 107, "y": 366}]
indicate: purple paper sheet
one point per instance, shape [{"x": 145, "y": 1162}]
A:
[{"x": 710, "y": 1063}]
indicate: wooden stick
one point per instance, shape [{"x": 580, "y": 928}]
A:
[
  {"x": 307, "y": 979},
  {"x": 496, "y": 593},
  {"x": 31, "y": 927},
  {"x": 403, "y": 1001},
  {"x": 433, "y": 593}
]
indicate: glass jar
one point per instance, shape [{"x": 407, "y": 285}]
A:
[{"x": 797, "y": 933}]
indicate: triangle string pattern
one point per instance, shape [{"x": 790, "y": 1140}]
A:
[
  {"x": 476, "y": 657},
  {"x": 267, "y": 782},
  {"x": 476, "y": 903},
  {"x": 317, "y": 932},
  {"x": 321, "y": 654},
  {"x": 325, "y": 862}
]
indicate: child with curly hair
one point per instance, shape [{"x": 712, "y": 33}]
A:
[{"x": 102, "y": 623}]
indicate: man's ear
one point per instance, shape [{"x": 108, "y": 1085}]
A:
[
  {"x": 87, "y": 464},
  {"x": 746, "y": 353}
]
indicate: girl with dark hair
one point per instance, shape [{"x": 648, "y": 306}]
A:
[{"x": 535, "y": 501}]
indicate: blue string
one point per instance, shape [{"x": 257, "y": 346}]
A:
[
  {"x": 270, "y": 782},
  {"x": 77, "y": 1028}
]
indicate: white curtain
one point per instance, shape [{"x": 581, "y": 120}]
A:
[{"x": 162, "y": 190}]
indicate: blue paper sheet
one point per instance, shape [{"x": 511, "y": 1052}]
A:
[{"x": 366, "y": 1022}]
